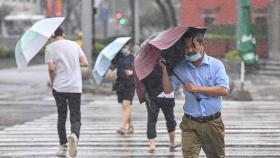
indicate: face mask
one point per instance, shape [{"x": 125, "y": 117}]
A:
[
  {"x": 125, "y": 51},
  {"x": 194, "y": 57}
]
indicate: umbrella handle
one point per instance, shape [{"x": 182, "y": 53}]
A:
[
  {"x": 196, "y": 96},
  {"x": 178, "y": 77}
]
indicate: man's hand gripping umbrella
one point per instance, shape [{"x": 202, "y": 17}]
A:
[{"x": 164, "y": 61}]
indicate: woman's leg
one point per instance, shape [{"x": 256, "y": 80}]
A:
[
  {"x": 130, "y": 129},
  {"x": 126, "y": 120}
]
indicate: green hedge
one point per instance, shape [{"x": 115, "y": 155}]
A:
[
  {"x": 97, "y": 49},
  {"x": 232, "y": 55},
  {"x": 6, "y": 52},
  {"x": 213, "y": 37},
  {"x": 222, "y": 29},
  {"x": 225, "y": 32}
]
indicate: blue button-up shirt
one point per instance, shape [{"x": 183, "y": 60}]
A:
[{"x": 211, "y": 72}]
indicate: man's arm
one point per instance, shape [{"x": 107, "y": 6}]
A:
[
  {"x": 167, "y": 87},
  {"x": 218, "y": 88},
  {"x": 211, "y": 91},
  {"x": 51, "y": 71},
  {"x": 83, "y": 61}
]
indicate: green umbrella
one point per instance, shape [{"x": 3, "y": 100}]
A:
[
  {"x": 246, "y": 42},
  {"x": 34, "y": 39}
]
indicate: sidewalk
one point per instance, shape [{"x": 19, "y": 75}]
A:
[{"x": 261, "y": 87}]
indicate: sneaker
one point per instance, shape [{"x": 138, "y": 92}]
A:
[
  {"x": 62, "y": 151},
  {"x": 72, "y": 140}
]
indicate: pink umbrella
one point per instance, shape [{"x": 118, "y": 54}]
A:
[{"x": 165, "y": 44}]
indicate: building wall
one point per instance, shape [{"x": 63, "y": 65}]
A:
[
  {"x": 218, "y": 48},
  {"x": 193, "y": 12},
  {"x": 26, "y": 6},
  {"x": 274, "y": 52}
]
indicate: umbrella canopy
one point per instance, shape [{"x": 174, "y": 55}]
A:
[
  {"x": 167, "y": 44},
  {"x": 105, "y": 57},
  {"x": 246, "y": 42},
  {"x": 34, "y": 39},
  {"x": 140, "y": 89}
]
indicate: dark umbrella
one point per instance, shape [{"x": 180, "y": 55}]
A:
[{"x": 167, "y": 44}]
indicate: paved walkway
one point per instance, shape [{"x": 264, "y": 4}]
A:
[
  {"x": 28, "y": 119},
  {"x": 252, "y": 130},
  {"x": 21, "y": 93}
]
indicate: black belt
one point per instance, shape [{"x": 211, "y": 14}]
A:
[{"x": 204, "y": 118}]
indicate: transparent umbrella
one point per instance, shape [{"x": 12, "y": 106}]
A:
[
  {"x": 34, "y": 39},
  {"x": 105, "y": 57}
]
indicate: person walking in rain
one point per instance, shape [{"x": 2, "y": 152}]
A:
[
  {"x": 154, "y": 102},
  {"x": 205, "y": 82},
  {"x": 64, "y": 58},
  {"x": 124, "y": 86}
]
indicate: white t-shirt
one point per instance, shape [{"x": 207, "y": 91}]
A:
[{"x": 65, "y": 55}]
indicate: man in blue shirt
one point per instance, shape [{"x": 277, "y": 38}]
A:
[{"x": 204, "y": 82}]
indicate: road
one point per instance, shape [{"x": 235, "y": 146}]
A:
[
  {"x": 28, "y": 122},
  {"x": 252, "y": 130}
]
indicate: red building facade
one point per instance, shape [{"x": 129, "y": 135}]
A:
[
  {"x": 223, "y": 12},
  {"x": 54, "y": 8},
  {"x": 205, "y": 12}
]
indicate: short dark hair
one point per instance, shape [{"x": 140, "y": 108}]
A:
[
  {"x": 196, "y": 36},
  {"x": 58, "y": 32}
]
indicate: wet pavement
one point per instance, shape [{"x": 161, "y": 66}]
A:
[
  {"x": 28, "y": 120},
  {"x": 252, "y": 130},
  {"x": 21, "y": 94}
]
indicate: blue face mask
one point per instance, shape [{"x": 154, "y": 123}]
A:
[{"x": 194, "y": 57}]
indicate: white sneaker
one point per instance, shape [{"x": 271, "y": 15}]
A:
[
  {"x": 62, "y": 151},
  {"x": 73, "y": 140}
]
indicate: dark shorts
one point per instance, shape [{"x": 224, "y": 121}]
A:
[{"x": 125, "y": 92}]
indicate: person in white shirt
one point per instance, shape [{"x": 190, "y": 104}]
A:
[{"x": 65, "y": 59}]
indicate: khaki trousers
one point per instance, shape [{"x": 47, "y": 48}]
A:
[{"x": 206, "y": 135}]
